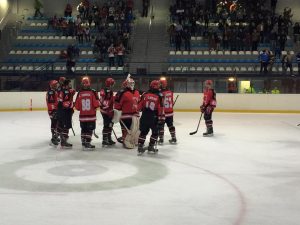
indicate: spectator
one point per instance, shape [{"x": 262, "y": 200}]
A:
[
  {"x": 80, "y": 32},
  {"x": 282, "y": 40},
  {"x": 264, "y": 61},
  {"x": 298, "y": 61},
  {"x": 146, "y": 4},
  {"x": 68, "y": 10},
  {"x": 255, "y": 40},
  {"x": 186, "y": 35},
  {"x": 287, "y": 62},
  {"x": 87, "y": 34},
  {"x": 37, "y": 7},
  {"x": 177, "y": 41},
  {"x": 120, "y": 55},
  {"x": 273, "y": 5},
  {"x": 111, "y": 55},
  {"x": 296, "y": 31}
]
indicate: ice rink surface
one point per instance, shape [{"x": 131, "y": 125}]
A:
[{"x": 248, "y": 173}]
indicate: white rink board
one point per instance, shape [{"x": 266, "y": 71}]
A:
[{"x": 186, "y": 101}]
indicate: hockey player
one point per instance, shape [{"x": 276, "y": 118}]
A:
[
  {"x": 168, "y": 101},
  {"x": 61, "y": 81},
  {"x": 152, "y": 112},
  {"x": 51, "y": 100},
  {"x": 86, "y": 103},
  {"x": 126, "y": 109},
  {"x": 207, "y": 107},
  {"x": 106, "y": 109},
  {"x": 65, "y": 112}
]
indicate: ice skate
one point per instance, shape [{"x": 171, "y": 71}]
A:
[
  {"x": 65, "y": 144},
  {"x": 152, "y": 149},
  {"x": 209, "y": 132},
  {"x": 88, "y": 147},
  {"x": 141, "y": 149},
  {"x": 161, "y": 141},
  {"x": 173, "y": 140},
  {"x": 106, "y": 143}
]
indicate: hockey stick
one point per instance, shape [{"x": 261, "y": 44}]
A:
[
  {"x": 298, "y": 125},
  {"x": 192, "y": 133},
  {"x": 96, "y": 136},
  {"x": 73, "y": 131},
  {"x": 118, "y": 139},
  {"x": 175, "y": 100}
]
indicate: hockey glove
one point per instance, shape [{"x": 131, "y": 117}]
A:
[{"x": 202, "y": 108}]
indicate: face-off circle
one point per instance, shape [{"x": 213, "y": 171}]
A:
[{"x": 85, "y": 174}]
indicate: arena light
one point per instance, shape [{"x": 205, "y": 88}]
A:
[
  {"x": 163, "y": 78},
  {"x": 231, "y": 79},
  {"x": 3, "y": 4}
]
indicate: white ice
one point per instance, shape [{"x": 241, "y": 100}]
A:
[{"x": 248, "y": 173}]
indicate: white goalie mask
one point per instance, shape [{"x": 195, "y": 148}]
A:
[{"x": 130, "y": 82}]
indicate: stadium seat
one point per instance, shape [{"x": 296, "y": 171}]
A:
[
  {"x": 199, "y": 69},
  {"x": 178, "y": 53},
  {"x": 192, "y": 69},
  {"x": 192, "y": 53},
  {"x": 185, "y": 53},
  {"x": 221, "y": 69},
  {"x": 177, "y": 69},
  {"x": 199, "y": 53},
  {"x": 120, "y": 68},
  {"x": 172, "y": 53}
]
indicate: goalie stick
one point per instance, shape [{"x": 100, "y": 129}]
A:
[{"x": 192, "y": 133}]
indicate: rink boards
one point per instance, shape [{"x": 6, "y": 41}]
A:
[{"x": 187, "y": 102}]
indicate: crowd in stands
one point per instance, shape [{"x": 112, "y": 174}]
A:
[
  {"x": 108, "y": 24},
  {"x": 238, "y": 26}
]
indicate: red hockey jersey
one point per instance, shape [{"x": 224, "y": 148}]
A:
[
  {"x": 106, "y": 101},
  {"x": 168, "y": 102},
  {"x": 87, "y": 103},
  {"x": 151, "y": 102},
  {"x": 209, "y": 98},
  {"x": 66, "y": 97},
  {"x": 127, "y": 102},
  {"x": 51, "y": 100}
]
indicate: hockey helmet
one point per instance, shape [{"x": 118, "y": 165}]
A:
[
  {"x": 208, "y": 83},
  {"x": 163, "y": 82},
  {"x": 61, "y": 80},
  {"x": 53, "y": 84},
  {"x": 109, "y": 82},
  {"x": 85, "y": 82},
  {"x": 155, "y": 84}
]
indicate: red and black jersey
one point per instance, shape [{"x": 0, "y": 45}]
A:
[
  {"x": 86, "y": 103},
  {"x": 107, "y": 101},
  {"x": 127, "y": 102},
  {"x": 151, "y": 102},
  {"x": 209, "y": 98},
  {"x": 168, "y": 100},
  {"x": 65, "y": 96},
  {"x": 51, "y": 100}
]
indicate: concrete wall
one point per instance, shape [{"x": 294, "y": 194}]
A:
[{"x": 185, "y": 102}]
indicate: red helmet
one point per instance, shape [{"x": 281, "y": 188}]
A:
[
  {"x": 61, "y": 80},
  {"x": 155, "y": 84},
  {"x": 109, "y": 82},
  {"x": 208, "y": 82},
  {"x": 85, "y": 82},
  {"x": 163, "y": 83},
  {"x": 53, "y": 84}
]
